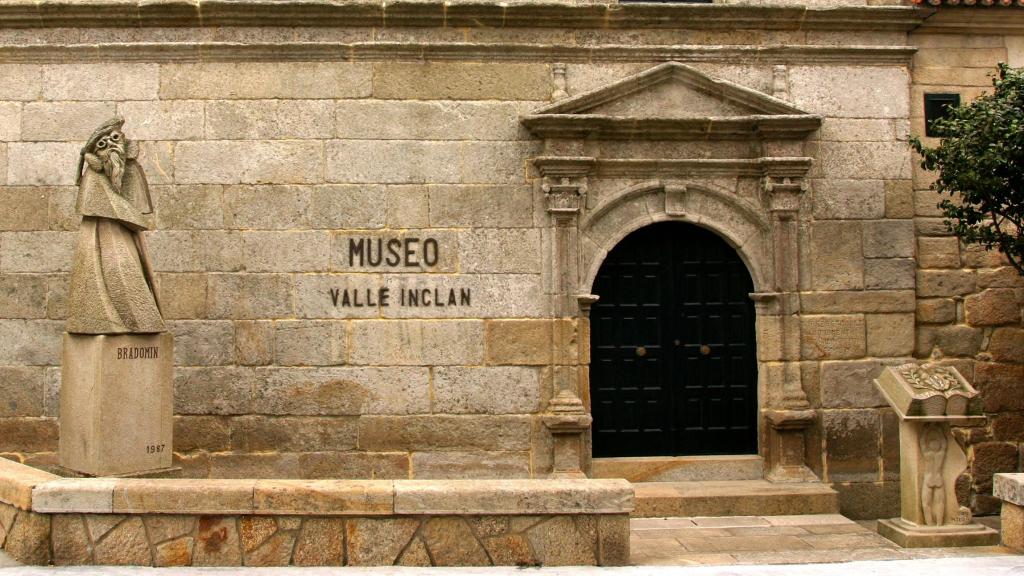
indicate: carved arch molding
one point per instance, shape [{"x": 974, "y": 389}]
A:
[{"x": 673, "y": 143}]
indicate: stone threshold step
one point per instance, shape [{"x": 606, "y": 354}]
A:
[
  {"x": 733, "y": 498},
  {"x": 680, "y": 468}
]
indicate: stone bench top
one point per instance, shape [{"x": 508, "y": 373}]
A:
[
  {"x": 1009, "y": 488},
  {"x": 17, "y": 482},
  {"x": 28, "y": 488}
]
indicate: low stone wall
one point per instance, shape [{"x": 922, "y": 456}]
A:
[
  {"x": 24, "y": 534},
  {"x": 189, "y": 540},
  {"x": 45, "y": 519}
]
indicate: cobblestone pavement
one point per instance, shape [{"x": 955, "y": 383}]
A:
[{"x": 822, "y": 545}]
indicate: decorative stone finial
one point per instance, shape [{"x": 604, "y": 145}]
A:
[
  {"x": 780, "y": 82},
  {"x": 558, "y": 73}
]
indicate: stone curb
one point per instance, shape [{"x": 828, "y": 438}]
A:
[{"x": 326, "y": 497}]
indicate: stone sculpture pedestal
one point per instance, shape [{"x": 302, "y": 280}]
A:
[
  {"x": 910, "y": 535},
  {"x": 116, "y": 403},
  {"x": 911, "y": 530},
  {"x": 930, "y": 463}
]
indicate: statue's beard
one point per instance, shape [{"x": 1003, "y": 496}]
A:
[{"x": 113, "y": 167}]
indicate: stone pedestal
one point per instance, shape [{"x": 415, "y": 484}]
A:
[
  {"x": 928, "y": 400},
  {"x": 116, "y": 403},
  {"x": 786, "y": 461},
  {"x": 910, "y": 535},
  {"x": 567, "y": 421}
]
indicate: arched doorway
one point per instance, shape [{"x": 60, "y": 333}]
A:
[{"x": 673, "y": 355}]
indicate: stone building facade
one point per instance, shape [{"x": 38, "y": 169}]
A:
[{"x": 380, "y": 227}]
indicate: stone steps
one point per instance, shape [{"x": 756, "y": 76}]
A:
[
  {"x": 680, "y": 468},
  {"x": 732, "y": 498}
]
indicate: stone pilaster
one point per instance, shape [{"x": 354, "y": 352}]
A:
[
  {"x": 788, "y": 421},
  {"x": 783, "y": 194},
  {"x": 565, "y": 186}
]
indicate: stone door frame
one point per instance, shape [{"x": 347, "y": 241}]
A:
[
  {"x": 687, "y": 201},
  {"x": 759, "y": 217},
  {"x": 764, "y": 237}
]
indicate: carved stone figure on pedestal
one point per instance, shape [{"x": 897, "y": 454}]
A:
[
  {"x": 929, "y": 399},
  {"x": 115, "y": 403},
  {"x": 111, "y": 281}
]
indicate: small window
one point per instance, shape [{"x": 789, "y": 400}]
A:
[{"x": 936, "y": 107}]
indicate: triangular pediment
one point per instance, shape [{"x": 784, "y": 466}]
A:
[
  {"x": 674, "y": 101},
  {"x": 671, "y": 90},
  {"x": 672, "y": 98}
]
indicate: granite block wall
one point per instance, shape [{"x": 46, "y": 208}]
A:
[
  {"x": 969, "y": 300},
  {"x": 265, "y": 175}
]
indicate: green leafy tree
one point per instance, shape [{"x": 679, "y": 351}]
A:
[{"x": 980, "y": 161}]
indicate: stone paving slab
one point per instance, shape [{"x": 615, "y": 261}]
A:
[
  {"x": 851, "y": 541},
  {"x": 660, "y": 523},
  {"x": 738, "y": 540},
  {"x": 789, "y": 557},
  {"x": 679, "y": 533},
  {"x": 851, "y": 528},
  {"x": 730, "y": 521},
  {"x": 766, "y": 531},
  {"x": 808, "y": 520},
  {"x": 729, "y": 544}
]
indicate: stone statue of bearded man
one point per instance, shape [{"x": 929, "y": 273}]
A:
[{"x": 112, "y": 288}]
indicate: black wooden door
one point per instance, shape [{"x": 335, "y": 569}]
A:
[{"x": 673, "y": 365}]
